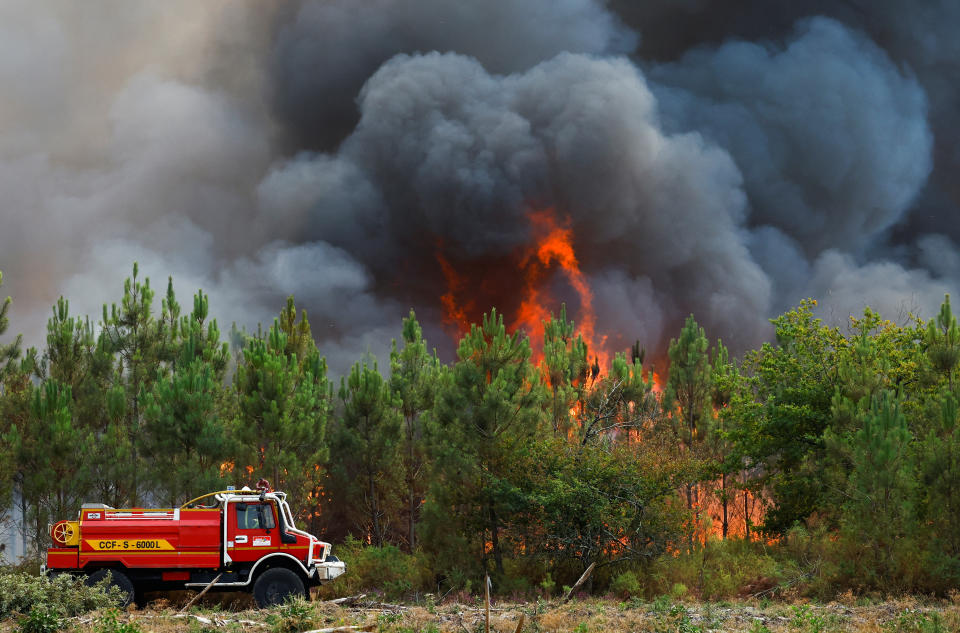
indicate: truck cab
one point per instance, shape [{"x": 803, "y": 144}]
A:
[{"x": 230, "y": 540}]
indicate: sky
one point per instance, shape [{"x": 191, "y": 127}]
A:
[{"x": 725, "y": 159}]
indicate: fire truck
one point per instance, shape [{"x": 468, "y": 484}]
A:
[{"x": 230, "y": 540}]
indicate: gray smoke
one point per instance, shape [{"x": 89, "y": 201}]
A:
[{"x": 725, "y": 159}]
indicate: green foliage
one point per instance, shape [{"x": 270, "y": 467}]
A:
[
  {"x": 49, "y": 450},
  {"x": 915, "y": 621},
  {"x": 41, "y": 619},
  {"x": 63, "y": 595},
  {"x": 604, "y": 503},
  {"x": 625, "y": 585},
  {"x": 186, "y": 411},
  {"x": 879, "y": 512},
  {"x": 487, "y": 413},
  {"x": 943, "y": 341},
  {"x": 110, "y": 622},
  {"x": 849, "y": 439},
  {"x": 8, "y": 351},
  {"x": 283, "y": 408},
  {"x": 413, "y": 372},
  {"x": 783, "y": 413},
  {"x": 566, "y": 365},
  {"x": 365, "y": 442},
  {"x": 295, "y": 615},
  {"x": 387, "y": 569},
  {"x": 686, "y": 395}
]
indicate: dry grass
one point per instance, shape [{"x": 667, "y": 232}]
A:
[{"x": 847, "y": 615}]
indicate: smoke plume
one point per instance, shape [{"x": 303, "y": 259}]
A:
[{"x": 725, "y": 159}]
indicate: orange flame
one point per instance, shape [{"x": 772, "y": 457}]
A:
[
  {"x": 551, "y": 250},
  {"x": 454, "y": 314},
  {"x": 553, "y": 244}
]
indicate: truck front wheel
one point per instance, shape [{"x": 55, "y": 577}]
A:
[
  {"x": 275, "y": 585},
  {"x": 118, "y": 579}
]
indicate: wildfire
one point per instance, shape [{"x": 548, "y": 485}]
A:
[
  {"x": 525, "y": 307},
  {"x": 553, "y": 244}
]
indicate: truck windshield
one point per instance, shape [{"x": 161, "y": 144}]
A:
[{"x": 249, "y": 519}]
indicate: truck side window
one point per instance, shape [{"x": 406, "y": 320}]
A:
[{"x": 248, "y": 518}]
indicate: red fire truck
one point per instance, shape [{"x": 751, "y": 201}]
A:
[{"x": 244, "y": 539}]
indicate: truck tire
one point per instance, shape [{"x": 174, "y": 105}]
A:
[
  {"x": 118, "y": 579},
  {"x": 275, "y": 586}
]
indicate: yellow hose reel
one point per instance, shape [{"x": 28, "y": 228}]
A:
[{"x": 66, "y": 533}]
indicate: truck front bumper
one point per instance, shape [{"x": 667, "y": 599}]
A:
[{"x": 329, "y": 570}]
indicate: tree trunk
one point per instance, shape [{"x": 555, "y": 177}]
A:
[
  {"x": 746, "y": 513},
  {"x": 374, "y": 513},
  {"x": 411, "y": 483},
  {"x": 723, "y": 493},
  {"x": 495, "y": 540}
]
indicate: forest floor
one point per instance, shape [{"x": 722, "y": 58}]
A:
[{"x": 906, "y": 615}]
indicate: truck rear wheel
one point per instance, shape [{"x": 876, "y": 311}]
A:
[
  {"x": 275, "y": 586},
  {"x": 118, "y": 579}
]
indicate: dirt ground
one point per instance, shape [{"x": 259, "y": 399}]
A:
[{"x": 907, "y": 615}]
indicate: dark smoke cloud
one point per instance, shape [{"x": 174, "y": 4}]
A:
[
  {"x": 721, "y": 158},
  {"x": 327, "y": 49}
]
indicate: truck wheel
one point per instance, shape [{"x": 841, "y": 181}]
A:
[
  {"x": 118, "y": 579},
  {"x": 275, "y": 585}
]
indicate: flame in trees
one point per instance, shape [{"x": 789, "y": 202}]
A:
[
  {"x": 522, "y": 285},
  {"x": 553, "y": 246}
]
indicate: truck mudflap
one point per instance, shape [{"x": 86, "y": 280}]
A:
[{"x": 330, "y": 569}]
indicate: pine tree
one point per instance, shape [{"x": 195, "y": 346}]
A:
[
  {"x": 488, "y": 411},
  {"x": 879, "y": 514},
  {"x": 283, "y": 407},
  {"x": 184, "y": 431},
  {"x": 50, "y": 451},
  {"x": 567, "y": 369},
  {"x": 943, "y": 342},
  {"x": 365, "y": 444},
  {"x": 9, "y": 351},
  {"x": 619, "y": 404},
  {"x": 15, "y": 389},
  {"x": 724, "y": 380},
  {"x": 686, "y": 396},
  {"x": 938, "y": 457},
  {"x": 141, "y": 344},
  {"x": 413, "y": 373}
]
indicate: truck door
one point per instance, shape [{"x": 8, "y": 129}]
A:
[{"x": 251, "y": 530}]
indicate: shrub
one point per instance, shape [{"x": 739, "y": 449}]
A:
[
  {"x": 294, "y": 615},
  {"x": 63, "y": 595},
  {"x": 625, "y": 584},
  {"x": 110, "y": 623},
  {"x": 41, "y": 619},
  {"x": 385, "y": 569}
]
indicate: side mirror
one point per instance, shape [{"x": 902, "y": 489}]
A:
[{"x": 261, "y": 515}]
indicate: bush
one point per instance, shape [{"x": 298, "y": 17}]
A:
[
  {"x": 717, "y": 570},
  {"x": 294, "y": 615},
  {"x": 625, "y": 585},
  {"x": 110, "y": 623},
  {"x": 386, "y": 569},
  {"x": 41, "y": 619},
  {"x": 63, "y": 595}
]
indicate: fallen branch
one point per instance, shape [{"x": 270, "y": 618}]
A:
[
  {"x": 204, "y": 620},
  {"x": 200, "y": 595},
  {"x": 347, "y": 600},
  {"x": 519, "y": 624},
  {"x": 383, "y": 605},
  {"x": 577, "y": 584}
]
